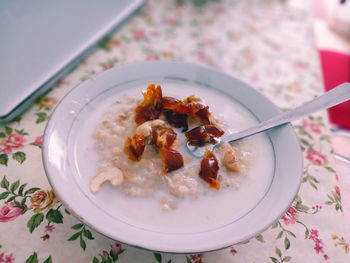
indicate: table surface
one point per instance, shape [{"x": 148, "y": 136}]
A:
[{"x": 268, "y": 44}]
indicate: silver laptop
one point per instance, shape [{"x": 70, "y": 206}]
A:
[{"x": 42, "y": 40}]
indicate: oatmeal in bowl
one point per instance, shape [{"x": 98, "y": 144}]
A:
[
  {"x": 142, "y": 149},
  {"x": 119, "y": 161}
]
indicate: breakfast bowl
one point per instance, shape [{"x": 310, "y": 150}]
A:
[{"x": 151, "y": 206}]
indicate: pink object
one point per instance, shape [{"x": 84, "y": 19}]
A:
[
  {"x": 336, "y": 70},
  {"x": 39, "y": 141},
  {"x": 13, "y": 142},
  {"x": 291, "y": 216},
  {"x": 9, "y": 212},
  {"x": 316, "y": 158},
  {"x": 311, "y": 126},
  {"x": 116, "y": 248}
]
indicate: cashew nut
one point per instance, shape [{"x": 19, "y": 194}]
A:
[
  {"x": 145, "y": 128},
  {"x": 230, "y": 160},
  {"x": 112, "y": 174}
]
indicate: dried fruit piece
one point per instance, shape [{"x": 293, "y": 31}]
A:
[
  {"x": 177, "y": 120},
  {"x": 203, "y": 115},
  {"x": 209, "y": 169},
  {"x": 178, "y": 106},
  {"x": 151, "y": 106},
  {"x": 134, "y": 147},
  {"x": 203, "y": 134},
  {"x": 171, "y": 159},
  {"x": 164, "y": 137},
  {"x": 194, "y": 110}
]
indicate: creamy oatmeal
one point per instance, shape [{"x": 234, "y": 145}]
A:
[{"x": 142, "y": 152}]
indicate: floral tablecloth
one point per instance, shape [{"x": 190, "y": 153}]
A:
[{"x": 268, "y": 44}]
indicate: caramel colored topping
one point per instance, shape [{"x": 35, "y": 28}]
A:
[
  {"x": 177, "y": 120},
  {"x": 194, "y": 110},
  {"x": 151, "y": 106},
  {"x": 171, "y": 159},
  {"x": 134, "y": 147},
  {"x": 209, "y": 169},
  {"x": 203, "y": 134},
  {"x": 178, "y": 106},
  {"x": 164, "y": 137}
]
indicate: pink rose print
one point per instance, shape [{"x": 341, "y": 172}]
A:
[
  {"x": 337, "y": 190},
  {"x": 209, "y": 42},
  {"x": 335, "y": 199},
  {"x": 169, "y": 21},
  {"x": 316, "y": 157},
  {"x": 311, "y": 126},
  {"x": 291, "y": 216},
  {"x": 155, "y": 33},
  {"x": 38, "y": 141},
  {"x": 14, "y": 141},
  {"x": 106, "y": 67},
  {"x": 105, "y": 254},
  {"x": 249, "y": 58},
  {"x": 300, "y": 64},
  {"x": 139, "y": 34},
  {"x": 203, "y": 57},
  {"x": 116, "y": 248},
  {"x": 6, "y": 258},
  {"x": 9, "y": 212},
  {"x": 196, "y": 258},
  {"x": 152, "y": 57},
  {"x": 217, "y": 10}
]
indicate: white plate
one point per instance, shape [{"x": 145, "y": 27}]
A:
[{"x": 65, "y": 172}]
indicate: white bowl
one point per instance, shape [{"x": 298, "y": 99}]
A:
[{"x": 71, "y": 186}]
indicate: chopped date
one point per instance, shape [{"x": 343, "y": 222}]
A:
[
  {"x": 203, "y": 115},
  {"x": 194, "y": 110},
  {"x": 203, "y": 134},
  {"x": 171, "y": 159},
  {"x": 178, "y": 106},
  {"x": 177, "y": 120},
  {"x": 134, "y": 147},
  {"x": 164, "y": 137},
  {"x": 209, "y": 169},
  {"x": 151, "y": 107}
]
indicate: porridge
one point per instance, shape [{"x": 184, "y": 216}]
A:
[{"x": 141, "y": 146}]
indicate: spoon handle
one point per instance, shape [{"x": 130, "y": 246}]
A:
[{"x": 331, "y": 98}]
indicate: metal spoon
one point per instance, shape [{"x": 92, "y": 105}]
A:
[{"x": 331, "y": 98}]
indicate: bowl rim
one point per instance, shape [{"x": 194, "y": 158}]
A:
[{"x": 149, "y": 246}]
